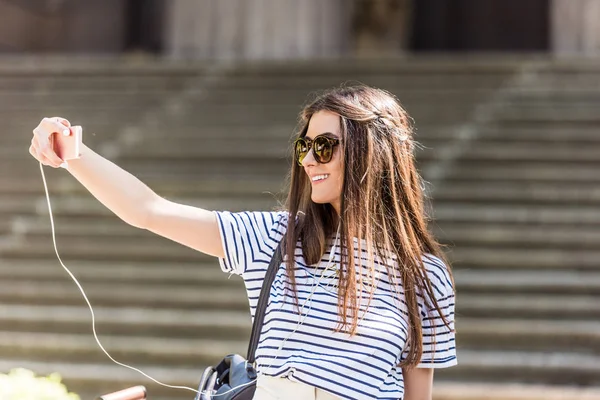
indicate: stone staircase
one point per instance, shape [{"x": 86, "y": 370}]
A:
[
  {"x": 517, "y": 205},
  {"x": 513, "y": 192}
]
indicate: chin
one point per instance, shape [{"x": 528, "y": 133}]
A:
[{"x": 318, "y": 200}]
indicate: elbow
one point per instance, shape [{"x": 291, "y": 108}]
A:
[{"x": 140, "y": 216}]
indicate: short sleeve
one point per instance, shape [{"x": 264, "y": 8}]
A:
[
  {"x": 439, "y": 345},
  {"x": 249, "y": 238}
]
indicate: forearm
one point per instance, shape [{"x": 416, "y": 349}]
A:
[{"x": 121, "y": 192}]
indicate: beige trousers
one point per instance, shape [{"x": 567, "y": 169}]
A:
[{"x": 270, "y": 388}]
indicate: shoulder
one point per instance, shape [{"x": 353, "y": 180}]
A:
[{"x": 439, "y": 275}]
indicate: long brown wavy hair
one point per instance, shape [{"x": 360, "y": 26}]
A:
[{"x": 382, "y": 206}]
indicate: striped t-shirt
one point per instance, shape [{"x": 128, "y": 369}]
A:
[{"x": 364, "y": 366}]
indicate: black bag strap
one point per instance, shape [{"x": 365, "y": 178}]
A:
[{"x": 259, "y": 316}]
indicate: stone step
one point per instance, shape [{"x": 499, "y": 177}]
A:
[
  {"x": 550, "y": 114},
  {"x": 198, "y": 169},
  {"x": 527, "y": 305},
  {"x": 14, "y": 102},
  {"x": 32, "y": 185},
  {"x": 128, "y": 321},
  {"x": 189, "y": 133},
  {"x": 104, "y": 248},
  {"x": 542, "y": 152},
  {"x": 91, "y": 227},
  {"x": 22, "y": 203},
  {"x": 518, "y": 235},
  {"x": 539, "y": 193},
  {"x": 551, "y": 94},
  {"x": 154, "y": 295},
  {"x": 530, "y": 171},
  {"x": 480, "y": 257},
  {"x": 131, "y": 350},
  {"x": 539, "y": 133},
  {"x": 573, "y": 105},
  {"x": 518, "y": 281},
  {"x": 456, "y": 212},
  {"x": 6, "y": 226},
  {"x": 145, "y": 274},
  {"x": 552, "y": 368},
  {"x": 37, "y": 113},
  {"x": 206, "y": 148},
  {"x": 499, "y": 333}
]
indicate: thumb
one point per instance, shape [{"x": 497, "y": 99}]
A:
[{"x": 63, "y": 121}]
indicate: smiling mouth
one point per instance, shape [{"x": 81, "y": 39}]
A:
[{"x": 319, "y": 178}]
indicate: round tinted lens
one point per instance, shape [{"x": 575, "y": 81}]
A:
[
  {"x": 323, "y": 149},
  {"x": 301, "y": 149}
]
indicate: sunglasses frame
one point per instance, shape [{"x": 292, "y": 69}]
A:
[{"x": 309, "y": 144}]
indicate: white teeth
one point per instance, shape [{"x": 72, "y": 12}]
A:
[{"x": 319, "y": 177}]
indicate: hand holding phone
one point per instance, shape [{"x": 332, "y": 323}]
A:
[
  {"x": 67, "y": 147},
  {"x": 55, "y": 142}
]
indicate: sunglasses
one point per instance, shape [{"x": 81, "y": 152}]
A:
[{"x": 321, "y": 145}]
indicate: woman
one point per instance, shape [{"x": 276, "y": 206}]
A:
[{"x": 363, "y": 305}]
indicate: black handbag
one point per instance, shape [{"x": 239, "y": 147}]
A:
[{"x": 234, "y": 378}]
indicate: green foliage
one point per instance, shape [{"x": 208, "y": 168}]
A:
[{"x": 22, "y": 384}]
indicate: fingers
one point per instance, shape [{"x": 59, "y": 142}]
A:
[
  {"x": 41, "y": 145},
  {"x": 46, "y": 157},
  {"x": 49, "y": 126}
]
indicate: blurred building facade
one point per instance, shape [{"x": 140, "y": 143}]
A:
[{"x": 284, "y": 29}]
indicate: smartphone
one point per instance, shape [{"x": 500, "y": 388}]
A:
[{"x": 68, "y": 147}]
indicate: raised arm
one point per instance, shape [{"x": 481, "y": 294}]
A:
[{"x": 128, "y": 197}]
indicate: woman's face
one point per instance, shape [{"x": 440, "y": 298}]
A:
[{"x": 326, "y": 179}]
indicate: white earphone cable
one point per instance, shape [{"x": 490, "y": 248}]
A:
[{"x": 88, "y": 302}]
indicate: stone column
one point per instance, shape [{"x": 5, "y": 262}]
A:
[
  {"x": 255, "y": 29},
  {"x": 575, "y": 27}
]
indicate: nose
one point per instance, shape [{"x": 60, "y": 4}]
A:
[{"x": 309, "y": 159}]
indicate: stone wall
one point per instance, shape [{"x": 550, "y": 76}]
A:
[{"x": 62, "y": 26}]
